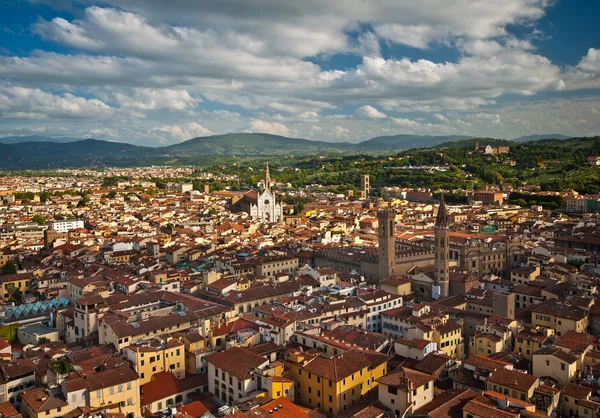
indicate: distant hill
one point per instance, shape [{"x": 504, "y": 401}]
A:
[
  {"x": 86, "y": 153},
  {"x": 538, "y": 137},
  {"x": 95, "y": 153},
  {"x": 471, "y": 142},
  {"x": 36, "y": 138},
  {"x": 404, "y": 142},
  {"x": 252, "y": 144}
]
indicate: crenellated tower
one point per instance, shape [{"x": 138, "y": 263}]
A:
[
  {"x": 387, "y": 242},
  {"x": 442, "y": 249}
]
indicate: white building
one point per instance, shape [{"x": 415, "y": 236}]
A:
[
  {"x": 262, "y": 205},
  {"x": 231, "y": 374},
  {"x": 66, "y": 226}
]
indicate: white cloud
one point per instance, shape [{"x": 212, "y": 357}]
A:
[
  {"x": 441, "y": 117},
  {"x": 157, "y": 99},
  {"x": 368, "y": 111},
  {"x": 178, "y": 133},
  {"x": 22, "y": 102},
  {"x": 275, "y": 128},
  {"x": 341, "y": 132},
  {"x": 418, "y": 36}
]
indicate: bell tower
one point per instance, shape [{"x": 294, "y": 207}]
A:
[
  {"x": 441, "y": 274},
  {"x": 387, "y": 242},
  {"x": 268, "y": 179}
]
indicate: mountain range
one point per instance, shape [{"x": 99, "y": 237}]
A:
[{"x": 38, "y": 152}]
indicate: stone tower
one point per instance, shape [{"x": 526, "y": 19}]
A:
[
  {"x": 387, "y": 242},
  {"x": 268, "y": 179},
  {"x": 503, "y": 304},
  {"x": 365, "y": 185},
  {"x": 441, "y": 274}
]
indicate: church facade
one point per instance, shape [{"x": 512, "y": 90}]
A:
[{"x": 262, "y": 205}]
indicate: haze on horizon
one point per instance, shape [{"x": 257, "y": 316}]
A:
[{"x": 156, "y": 73}]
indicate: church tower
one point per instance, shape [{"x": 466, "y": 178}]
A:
[
  {"x": 387, "y": 242},
  {"x": 268, "y": 179},
  {"x": 441, "y": 274}
]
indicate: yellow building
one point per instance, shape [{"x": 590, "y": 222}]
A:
[
  {"x": 39, "y": 402},
  {"x": 513, "y": 383},
  {"x": 577, "y": 401},
  {"x": 117, "y": 390},
  {"x": 561, "y": 317},
  {"x": 195, "y": 350},
  {"x": 335, "y": 384},
  {"x": 447, "y": 336},
  {"x": 396, "y": 286},
  {"x": 20, "y": 282},
  {"x": 487, "y": 344},
  {"x": 530, "y": 340},
  {"x": 274, "y": 383},
  {"x": 154, "y": 356},
  {"x": 555, "y": 363}
]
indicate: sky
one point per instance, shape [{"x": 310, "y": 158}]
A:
[{"x": 157, "y": 72}]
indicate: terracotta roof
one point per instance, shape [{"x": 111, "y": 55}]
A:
[
  {"x": 513, "y": 379},
  {"x": 481, "y": 410},
  {"x": 165, "y": 384},
  {"x": 236, "y": 361},
  {"x": 343, "y": 365},
  {"x": 576, "y": 391}
]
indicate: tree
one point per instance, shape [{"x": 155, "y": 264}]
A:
[
  {"x": 38, "y": 219},
  {"x": 15, "y": 295},
  {"x": 43, "y": 340},
  {"x": 9, "y": 268}
]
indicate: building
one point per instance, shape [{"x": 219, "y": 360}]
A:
[
  {"x": 365, "y": 186},
  {"x": 261, "y": 205},
  {"x": 334, "y": 384},
  {"x": 166, "y": 391},
  {"x": 404, "y": 390},
  {"x": 36, "y": 334},
  {"x": 556, "y": 364},
  {"x": 441, "y": 270},
  {"x": 231, "y": 374},
  {"x": 560, "y": 316},
  {"x": 12, "y": 282},
  {"x": 156, "y": 356},
  {"x": 387, "y": 243},
  {"x": 513, "y": 383},
  {"x": 16, "y": 377},
  {"x": 486, "y": 197},
  {"x": 66, "y": 226}
]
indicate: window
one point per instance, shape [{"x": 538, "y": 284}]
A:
[
  {"x": 426, "y": 385},
  {"x": 563, "y": 366},
  {"x": 112, "y": 390},
  {"x": 120, "y": 389}
]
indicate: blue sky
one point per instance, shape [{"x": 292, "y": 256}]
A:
[{"x": 156, "y": 72}]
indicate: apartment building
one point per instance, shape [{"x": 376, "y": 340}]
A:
[
  {"x": 231, "y": 374},
  {"x": 336, "y": 383}
]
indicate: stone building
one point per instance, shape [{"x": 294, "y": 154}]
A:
[{"x": 263, "y": 204}]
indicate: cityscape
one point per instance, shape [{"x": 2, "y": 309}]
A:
[{"x": 299, "y": 209}]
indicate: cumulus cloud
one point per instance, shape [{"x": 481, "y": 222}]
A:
[
  {"x": 273, "y": 59},
  {"x": 275, "y": 128},
  {"x": 22, "y": 102},
  {"x": 157, "y": 99},
  {"x": 368, "y": 111},
  {"x": 178, "y": 133}
]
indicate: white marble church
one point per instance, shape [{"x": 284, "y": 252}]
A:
[{"x": 262, "y": 205}]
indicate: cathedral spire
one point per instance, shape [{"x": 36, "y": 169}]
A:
[
  {"x": 268, "y": 179},
  {"x": 441, "y": 222}
]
